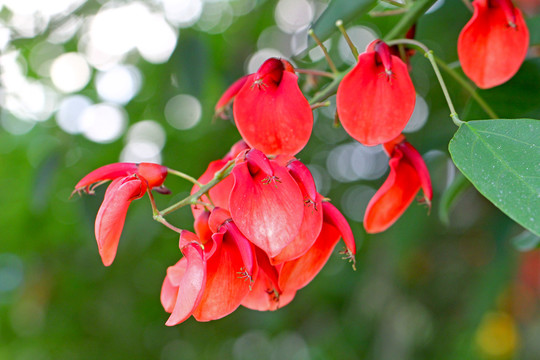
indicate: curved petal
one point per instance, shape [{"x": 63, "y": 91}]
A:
[
  {"x": 225, "y": 285},
  {"x": 104, "y": 173},
  {"x": 372, "y": 105},
  {"x": 154, "y": 174},
  {"x": 228, "y": 96},
  {"x": 169, "y": 291},
  {"x": 334, "y": 217},
  {"x": 265, "y": 293},
  {"x": 273, "y": 117},
  {"x": 298, "y": 273},
  {"x": 112, "y": 214},
  {"x": 394, "y": 196},
  {"x": 190, "y": 280},
  {"x": 268, "y": 210},
  {"x": 490, "y": 50},
  {"x": 309, "y": 230}
]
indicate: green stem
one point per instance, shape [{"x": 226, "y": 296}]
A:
[
  {"x": 329, "y": 90},
  {"x": 353, "y": 48},
  {"x": 315, "y": 72},
  {"x": 183, "y": 176},
  {"x": 158, "y": 216},
  {"x": 429, "y": 54},
  {"x": 468, "y": 87},
  {"x": 323, "y": 48},
  {"x": 395, "y": 3},
  {"x": 194, "y": 198},
  {"x": 417, "y": 9}
]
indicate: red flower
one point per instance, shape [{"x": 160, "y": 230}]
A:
[
  {"x": 408, "y": 173},
  {"x": 129, "y": 182},
  {"x": 211, "y": 283},
  {"x": 376, "y": 99},
  {"x": 493, "y": 44},
  {"x": 270, "y": 111},
  {"x": 266, "y": 202},
  {"x": 276, "y": 286}
]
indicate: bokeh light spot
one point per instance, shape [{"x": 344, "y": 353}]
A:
[{"x": 183, "y": 111}]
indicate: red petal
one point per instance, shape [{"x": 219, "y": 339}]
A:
[
  {"x": 112, "y": 214},
  {"x": 155, "y": 174},
  {"x": 169, "y": 291},
  {"x": 309, "y": 230},
  {"x": 274, "y": 118},
  {"x": 334, "y": 217},
  {"x": 374, "y": 107},
  {"x": 394, "y": 196},
  {"x": 245, "y": 247},
  {"x": 268, "y": 211},
  {"x": 229, "y": 95},
  {"x": 490, "y": 50},
  {"x": 190, "y": 285},
  {"x": 415, "y": 159},
  {"x": 265, "y": 293},
  {"x": 104, "y": 173},
  {"x": 298, "y": 273},
  {"x": 225, "y": 287},
  {"x": 219, "y": 193}
]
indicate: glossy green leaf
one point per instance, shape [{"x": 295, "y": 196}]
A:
[
  {"x": 345, "y": 10},
  {"x": 501, "y": 158}
]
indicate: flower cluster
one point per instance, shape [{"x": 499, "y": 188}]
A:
[
  {"x": 268, "y": 235},
  {"x": 261, "y": 229}
]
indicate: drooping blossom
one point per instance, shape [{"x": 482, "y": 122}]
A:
[
  {"x": 270, "y": 111},
  {"x": 266, "y": 203},
  {"x": 493, "y": 44},
  {"x": 210, "y": 283},
  {"x": 408, "y": 174},
  {"x": 129, "y": 182},
  {"x": 272, "y": 238},
  {"x": 375, "y": 100},
  {"x": 276, "y": 285}
]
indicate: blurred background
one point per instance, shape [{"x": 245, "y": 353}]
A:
[{"x": 87, "y": 83}]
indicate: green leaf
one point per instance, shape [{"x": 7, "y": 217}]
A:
[
  {"x": 345, "y": 10},
  {"x": 450, "y": 195},
  {"x": 526, "y": 241},
  {"x": 501, "y": 158}
]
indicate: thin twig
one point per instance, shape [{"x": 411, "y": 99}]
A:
[{"x": 323, "y": 48}]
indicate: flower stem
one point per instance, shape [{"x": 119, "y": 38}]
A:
[
  {"x": 183, "y": 176},
  {"x": 468, "y": 5},
  {"x": 323, "y": 48},
  {"x": 319, "y": 105},
  {"x": 429, "y": 54},
  {"x": 329, "y": 90},
  {"x": 353, "y": 48},
  {"x": 395, "y": 3},
  {"x": 417, "y": 9},
  {"x": 468, "y": 87},
  {"x": 194, "y": 198},
  {"x": 158, "y": 216},
  {"x": 315, "y": 72}
]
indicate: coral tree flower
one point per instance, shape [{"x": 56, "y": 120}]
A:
[
  {"x": 493, "y": 44},
  {"x": 375, "y": 100},
  {"x": 408, "y": 173},
  {"x": 272, "y": 236},
  {"x": 129, "y": 182},
  {"x": 269, "y": 109}
]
